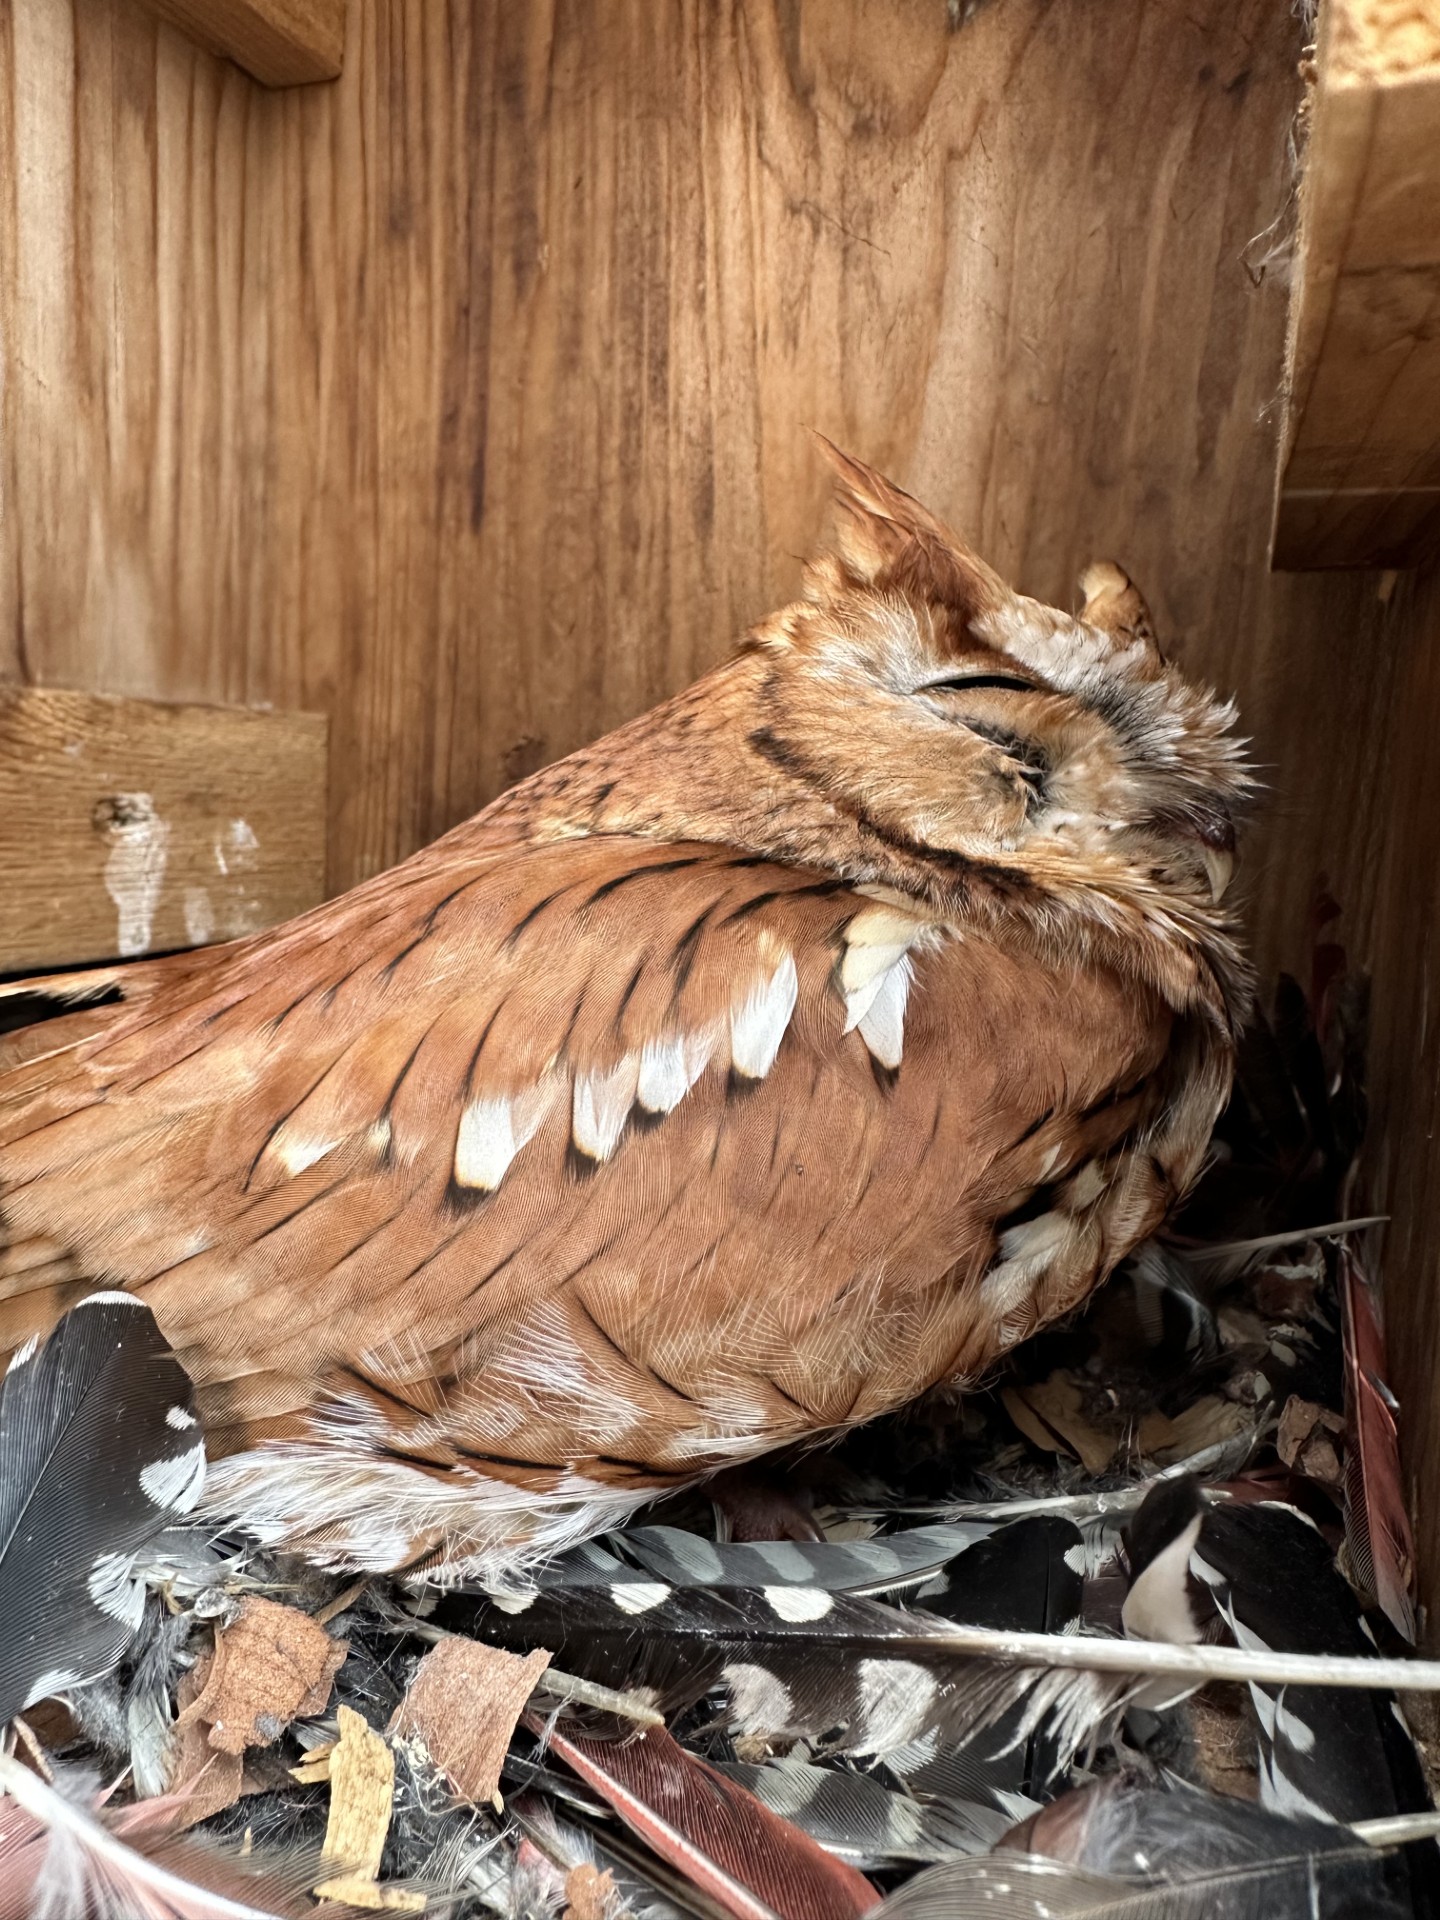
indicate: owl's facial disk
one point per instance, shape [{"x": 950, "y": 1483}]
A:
[{"x": 965, "y": 718}]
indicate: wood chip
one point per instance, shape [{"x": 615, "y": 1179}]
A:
[
  {"x": 272, "y": 1665},
  {"x": 589, "y": 1893},
  {"x": 1305, "y": 1441},
  {"x": 209, "y": 1781},
  {"x": 1050, "y": 1413},
  {"x": 1206, "y": 1423},
  {"x": 462, "y": 1707},
  {"x": 362, "y": 1786}
]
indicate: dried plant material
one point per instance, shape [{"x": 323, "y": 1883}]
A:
[
  {"x": 1222, "y": 1724},
  {"x": 362, "y": 1785},
  {"x": 1051, "y": 1413},
  {"x": 1205, "y": 1424},
  {"x": 1286, "y": 1290},
  {"x": 589, "y": 1893},
  {"x": 1303, "y": 1440},
  {"x": 315, "y": 1767},
  {"x": 272, "y": 1665},
  {"x": 209, "y": 1780},
  {"x": 462, "y": 1706}
]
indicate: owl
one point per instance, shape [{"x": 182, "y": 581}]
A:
[{"x": 793, "y": 1050}]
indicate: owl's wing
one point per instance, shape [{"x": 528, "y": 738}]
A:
[{"x": 599, "y": 1150}]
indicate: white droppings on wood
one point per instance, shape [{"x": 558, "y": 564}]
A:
[
  {"x": 139, "y": 843},
  {"x": 199, "y": 918}
]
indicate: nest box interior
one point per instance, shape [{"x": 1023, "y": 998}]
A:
[{"x": 366, "y": 444}]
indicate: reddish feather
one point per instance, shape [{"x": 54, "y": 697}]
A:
[
  {"x": 755, "y": 1864},
  {"x": 1378, "y": 1536}
]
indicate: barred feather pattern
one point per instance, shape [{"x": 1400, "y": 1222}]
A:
[{"x": 802, "y": 1045}]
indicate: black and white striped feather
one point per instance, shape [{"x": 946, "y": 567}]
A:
[
  {"x": 796, "y": 1662},
  {"x": 100, "y": 1450},
  {"x": 857, "y": 1819},
  {"x": 1121, "y": 1852},
  {"x": 684, "y": 1559}
]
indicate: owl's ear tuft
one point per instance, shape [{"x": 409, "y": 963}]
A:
[
  {"x": 1116, "y": 605},
  {"x": 887, "y": 540}
]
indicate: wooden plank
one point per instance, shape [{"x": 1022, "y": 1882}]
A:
[
  {"x": 130, "y": 827},
  {"x": 468, "y": 399},
  {"x": 1360, "y": 462},
  {"x": 283, "y": 43}
]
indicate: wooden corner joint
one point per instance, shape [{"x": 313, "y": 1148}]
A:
[
  {"x": 281, "y": 43},
  {"x": 1359, "y": 471}
]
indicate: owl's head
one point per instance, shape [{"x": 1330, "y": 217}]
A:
[{"x": 959, "y": 720}]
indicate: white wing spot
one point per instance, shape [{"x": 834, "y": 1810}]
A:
[
  {"x": 486, "y": 1144},
  {"x": 493, "y": 1130},
  {"x": 639, "y": 1596},
  {"x": 669, "y": 1068},
  {"x": 601, "y": 1107},
  {"x": 513, "y": 1602},
  {"x": 758, "y": 1023},
  {"x": 797, "y": 1604},
  {"x": 896, "y": 1697},
  {"x": 759, "y": 1700},
  {"x": 115, "y": 1590},
  {"x": 296, "y": 1155},
  {"x": 179, "y": 1418},
  {"x": 176, "y": 1484},
  {"x": 883, "y": 1026}
]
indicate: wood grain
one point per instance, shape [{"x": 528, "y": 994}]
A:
[
  {"x": 281, "y": 43},
  {"x": 128, "y": 827},
  {"x": 1360, "y": 455},
  {"x": 467, "y": 400}
]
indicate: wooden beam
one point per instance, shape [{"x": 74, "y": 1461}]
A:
[
  {"x": 1360, "y": 455},
  {"x": 282, "y": 43},
  {"x": 130, "y": 827}
]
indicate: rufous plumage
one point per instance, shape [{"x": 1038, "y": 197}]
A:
[{"x": 798, "y": 1047}]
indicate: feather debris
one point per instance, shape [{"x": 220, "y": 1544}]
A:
[
  {"x": 801, "y": 1663},
  {"x": 1127, "y": 1854},
  {"x": 644, "y": 1885},
  {"x": 728, "y": 1843},
  {"x": 683, "y": 1559},
  {"x": 681, "y": 1643},
  {"x": 63, "y": 1857},
  {"x": 857, "y": 1819},
  {"x": 100, "y": 1451},
  {"x": 1124, "y": 1848}
]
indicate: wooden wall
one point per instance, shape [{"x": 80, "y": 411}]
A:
[{"x": 467, "y": 399}]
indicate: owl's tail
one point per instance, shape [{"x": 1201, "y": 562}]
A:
[{"x": 46, "y": 1027}]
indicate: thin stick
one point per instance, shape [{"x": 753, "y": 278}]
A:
[
  {"x": 589, "y": 1693},
  {"x": 1397, "y": 1828},
  {"x": 1330, "y": 1231},
  {"x": 1200, "y": 1664}
]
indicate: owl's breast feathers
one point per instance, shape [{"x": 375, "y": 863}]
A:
[{"x": 526, "y": 1180}]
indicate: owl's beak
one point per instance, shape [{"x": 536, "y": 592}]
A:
[{"x": 1219, "y": 866}]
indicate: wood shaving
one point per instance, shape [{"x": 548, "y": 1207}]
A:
[
  {"x": 1050, "y": 1413},
  {"x": 209, "y": 1780},
  {"x": 589, "y": 1893},
  {"x": 272, "y": 1665},
  {"x": 462, "y": 1708},
  {"x": 362, "y": 1786},
  {"x": 1210, "y": 1420},
  {"x": 1303, "y": 1440}
]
